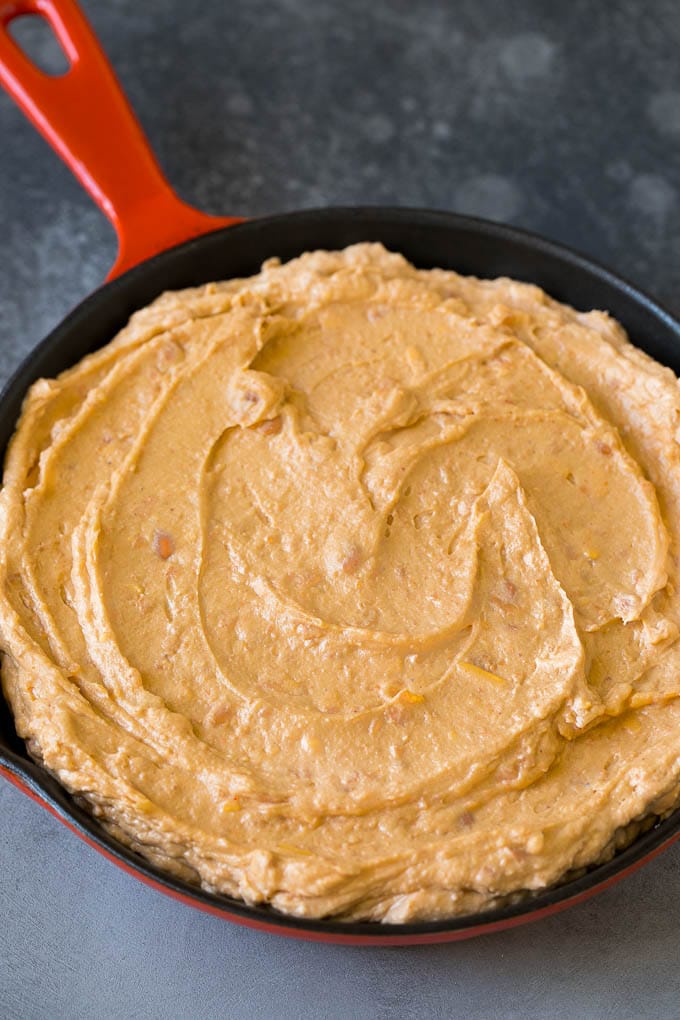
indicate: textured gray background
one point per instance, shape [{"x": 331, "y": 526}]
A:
[{"x": 563, "y": 118}]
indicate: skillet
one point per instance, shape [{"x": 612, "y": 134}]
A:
[{"x": 165, "y": 244}]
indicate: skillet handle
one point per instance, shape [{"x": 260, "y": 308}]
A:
[{"x": 86, "y": 118}]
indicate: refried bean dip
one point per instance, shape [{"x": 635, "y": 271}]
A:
[{"x": 352, "y": 588}]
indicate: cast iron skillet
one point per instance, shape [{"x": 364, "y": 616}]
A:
[{"x": 87, "y": 119}]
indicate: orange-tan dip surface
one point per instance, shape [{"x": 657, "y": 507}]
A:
[{"x": 352, "y": 588}]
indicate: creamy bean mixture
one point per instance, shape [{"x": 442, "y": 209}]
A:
[{"x": 352, "y": 588}]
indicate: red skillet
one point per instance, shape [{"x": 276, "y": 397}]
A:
[{"x": 86, "y": 118}]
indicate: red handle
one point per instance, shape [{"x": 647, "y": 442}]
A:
[{"x": 86, "y": 118}]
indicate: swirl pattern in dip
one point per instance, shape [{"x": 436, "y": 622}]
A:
[{"x": 351, "y": 588}]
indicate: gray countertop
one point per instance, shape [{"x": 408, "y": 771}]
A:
[{"x": 561, "y": 118}]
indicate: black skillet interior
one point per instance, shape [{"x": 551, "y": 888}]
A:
[{"x": 427, "y": 239}]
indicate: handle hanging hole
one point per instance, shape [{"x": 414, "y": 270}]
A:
[{"x": 35, "y": 36}]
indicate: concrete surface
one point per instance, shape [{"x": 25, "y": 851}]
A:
[{"x": 563, "y": 118}]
